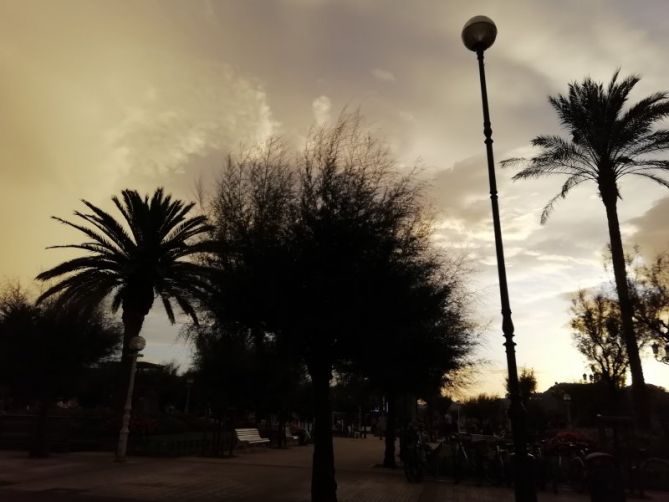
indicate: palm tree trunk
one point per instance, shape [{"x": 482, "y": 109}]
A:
[
  {"x": 626, "y": 312},
  {"x": 132, "y": 325},
  {"x": 323, "y": 484}
]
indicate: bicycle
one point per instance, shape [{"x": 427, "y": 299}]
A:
[
  {"x": 417, "y": 456},
  {"x": 568, "y": 466},
  {"x": 653, "y": 474}
]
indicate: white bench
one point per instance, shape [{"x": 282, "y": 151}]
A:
[{"x": 250, "y": 437}]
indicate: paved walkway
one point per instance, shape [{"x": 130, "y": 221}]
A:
[{"x": 261, "y": 475}]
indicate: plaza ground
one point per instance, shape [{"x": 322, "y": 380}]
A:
[{"x": 258, "y": 475}]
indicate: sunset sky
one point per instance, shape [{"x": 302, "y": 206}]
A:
[{"x": 97, "y": 96}]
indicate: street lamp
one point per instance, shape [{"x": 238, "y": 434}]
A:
[
  {"x": 136, "y": 345},
  {"x": 189, "y": 384},
  {"x": 567, "y": 401},
  {"x": 478, "y": 35}
]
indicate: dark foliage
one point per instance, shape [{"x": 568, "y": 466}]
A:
[
  {"x": 527, "y": 384},
  {"x": 649, "y": 286},
  {"x": 46, "y": 349},
  {"x": 597, "y": 335}
]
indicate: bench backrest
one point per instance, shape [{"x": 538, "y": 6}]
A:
[{"x": 248, "y": 434}]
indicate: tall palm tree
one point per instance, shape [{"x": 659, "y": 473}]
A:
[
  {"x": 135, "y": 262},
  {"x": 608, "y": 141}
]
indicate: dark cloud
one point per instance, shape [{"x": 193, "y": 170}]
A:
[{"x": 652, "y": 234}]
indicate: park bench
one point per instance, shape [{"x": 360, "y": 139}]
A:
[{"x": 250, "y": 437}]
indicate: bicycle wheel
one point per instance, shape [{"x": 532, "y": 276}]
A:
[
  {"x": 576, "y": 474},
  {"x": 655, "y": 474}
]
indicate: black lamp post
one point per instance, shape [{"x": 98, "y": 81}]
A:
[{"x": 478, "y": 35}]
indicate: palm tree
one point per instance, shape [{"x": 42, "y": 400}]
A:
[
  {"x": 135, "y": 263},
  {"x": 607, "y": 143}
]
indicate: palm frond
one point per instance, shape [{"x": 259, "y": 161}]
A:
[
  {"x": 92, "y": 282},
  {"x": 168, "y": 307},
  {"x": 187, "y": 230},
  {"x": 571, "y": 182},
  {"x": 117, "y": 300},
  {"x": 648, "y": 143},
  {"x": 95, "y": 248},
  {"x": 77, "y": 264},
  {"x": 655, "y": 178},
  {"x": 99, "y": 238},
  {"x": 186, "y": 307},
  {"x": 107, "y": 224}
]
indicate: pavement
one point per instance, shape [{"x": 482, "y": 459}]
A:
[{"x": 260, "y": 474}]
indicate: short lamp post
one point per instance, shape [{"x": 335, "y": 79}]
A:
[
  {"x": 567, "y": 402},
  {"x": 479, "y": 34},
  {"x": 136, "y": 345},
  {"x": 189, "y": 385}
]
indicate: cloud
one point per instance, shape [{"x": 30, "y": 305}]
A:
[
  {"x": 652, "y": 230},
  {"x": 102, "y": 95},
  {"x": 102, "y": 101},
  {"x": 321, "y": 107},
  {"x": 384, "y": 75},
  {"x": 188, "y": 114}
]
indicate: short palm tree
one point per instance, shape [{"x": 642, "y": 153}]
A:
[
  {"x": 137, "y": 261},
  {"x": 608, "y": 141}
]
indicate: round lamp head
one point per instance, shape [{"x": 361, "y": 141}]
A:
[
  {"x": 137, "y": 343},
  {"x": 479, "y": 33}
]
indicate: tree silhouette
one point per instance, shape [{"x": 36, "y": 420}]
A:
[
  {"x": 234, "y": 374},
  {"x": 353, "y": 210},
  {"x": 598, "y": 336},
  {"x": 46, "y": 349},
  {"x": 607, "y": 142},
  {"x": 300, "y": 246},
  {"x": 417, "y": 331},
  {"x": 527, "y": 383},
  {"x": 650, "y": 296},
  {"x": 135, "y": 262}
]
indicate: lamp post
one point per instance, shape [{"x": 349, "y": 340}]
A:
[
  {"x": 567, "y": 402},
  {"x": 136, "y": 345},
  {"x": 478, "y": 34},
  {"x": 189, "y": 385}
]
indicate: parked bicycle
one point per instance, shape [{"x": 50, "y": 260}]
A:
[{"x": 565, "y": 465}]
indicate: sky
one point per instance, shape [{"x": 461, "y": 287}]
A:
[{"x": 97, "y": 96}]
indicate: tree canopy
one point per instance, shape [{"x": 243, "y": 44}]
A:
[{"x": 328, "y": 253}]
